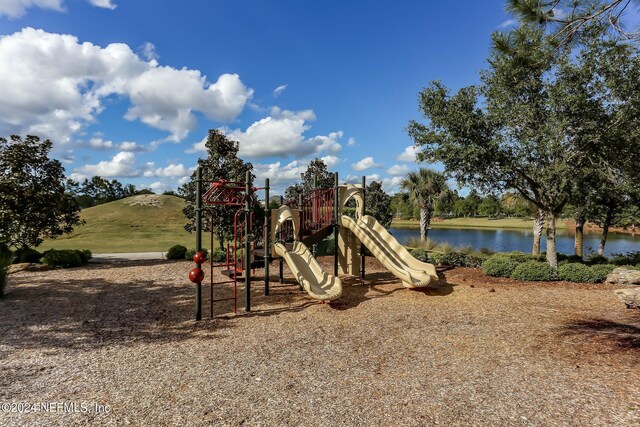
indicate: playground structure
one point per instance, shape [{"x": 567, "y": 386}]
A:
[{"x": 288, "y": 234}]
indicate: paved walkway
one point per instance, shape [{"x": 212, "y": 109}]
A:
[{"x": 130, "y": 256}]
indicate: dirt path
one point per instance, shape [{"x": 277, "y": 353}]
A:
[{"x": 122, "y": 336}]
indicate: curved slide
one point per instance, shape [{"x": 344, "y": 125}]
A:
[
  {"x": 390, "y": 253},
  {"x": 318, "y": 284}
]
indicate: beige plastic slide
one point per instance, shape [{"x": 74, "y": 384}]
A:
[
  {"x": 390, "y": 253},
  {"x": 319, "y": 284}
]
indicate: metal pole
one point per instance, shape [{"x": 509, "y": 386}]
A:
[
  {"x": 336, "y": 219},
  {"x": 247, "y": 255},
  {"x": 267, "y": 236},
  {"x": 199, "y": 237},
  {"x": 364, "y": 212},
  {"x": 281, "y": 269}
]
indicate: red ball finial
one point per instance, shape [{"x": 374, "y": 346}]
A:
[
  {"x": 199, "y": 257},
  {"x": 196, "y": 275}
]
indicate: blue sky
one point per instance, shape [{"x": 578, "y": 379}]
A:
[{"x": 128, "y": 89}]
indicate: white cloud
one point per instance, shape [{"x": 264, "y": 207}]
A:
[
  {"x": 173, "y": 170},
  {"x": 158, "y": 187},
  {"x": 105, "y": 4},
  {"x": 53, "y": 86},
  {"x": 131, "y": 146},
  {"x": 121, "y": 165},
  {"x": 408, "y": 155},
  {"x": 508, "y": 23},
  {"x": 100, "y": 144},
  {"x": 391, "y": 185},
  {"x": 366, "y": 163},
  {"x": 280, "y": 134},
  {"x": 17, "y": 8},
  {"x": 148, "y": 51},
  {"x": 278, "y": 91},
  {"x": 330, "y": 160},
  {"x": 280, "y": 176},
  {"x": 398, "y": 170},
  {"x": 351, "y": 142}
]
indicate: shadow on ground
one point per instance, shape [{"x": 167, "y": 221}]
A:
[
  {"x": 619, "y": 335},
  {"x": 83, "y": 314}
]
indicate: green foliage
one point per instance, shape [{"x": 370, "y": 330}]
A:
[
  {"x": 316, "y": 173},
  {"x": 533, "y": 271},
  {"x": 628, "y": 258},
  {"x": 597, "y": 259},
  {"x": 420, "y": 254},
  {"x": 499, "y": 265},
  {"x": 33, "y": 202},
  {"x": 65, "y": 258},
  {"x": 378, "y": 203},
  {"x": 326, "y": 247},
  {"x": 176, "y": 252},
  {"x": 455, "y": 258},
  {"x": 578, "y": 272},
  {"x": 600, "y": 272},
  {"x": 27, "y": 255},
  {"x": 475, "y": 259},
  {"x": 84, "y": 257},
  {"x": 6, "y": 258},
  {"x": 190, "y": 253},
  {"x": 575, "y": 258},
  {"x": 426, "y": 188},
  {"x": 222, "y": 163},
  {"x": 519, "y": 257},
  {"x": 575, "y": 272}
]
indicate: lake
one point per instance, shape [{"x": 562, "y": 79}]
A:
[{"x": 504, "y": 240}]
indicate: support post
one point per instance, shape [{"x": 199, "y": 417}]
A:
[
  {"x": 336, "y": 221},
  {"x": 247, "y": 255},
  {"x": 199, "y": 238},
  {"x": 267, "y": 236},
  {"x": 364, "y": 212}
]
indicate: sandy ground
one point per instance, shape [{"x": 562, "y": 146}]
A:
[{"x": 119, "y": 342}]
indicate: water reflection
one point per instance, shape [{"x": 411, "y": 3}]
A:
[{"x": 504, "y": 240}]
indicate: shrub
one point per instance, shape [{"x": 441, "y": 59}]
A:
[
  {"x": 453, "y": 258},
  {"x": 597, "y": 259},
  {"x": 519, "y": 257},
  {"x": 600, "y": 272},
  {"x": 533, "y": 271},
  {"x": 176, "y": 252},
  {"x": 499, "y": 265},
  {"x": 434, "y": 257},
  {"x": 575, "y": 272},
  {"x": 575, "y": 258},
  {"x": 27, "y": 255},
  {"x": 486, "y": 251},
  {"x": 420, "y": 254},
  {"x": 87, "y": 253},
  {"x": 326, "y": 247},
  {"x": 475, "y": 259},
  {"x": 65, "y": 258},
  {"x": 84, "y": 255},
  {"x": 189, "y": 254},
  {"x": 628, "y": 258}
]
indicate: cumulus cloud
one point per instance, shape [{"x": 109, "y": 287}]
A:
[
  {"x": 330, "y": 160},
  {"x": 54, "y": 86},
  {"x": 280, "y": 176},
  {"x": 173, "y": 170},
  {"x": 158, "y": 187},
  {"x": 148, "y": 51},
  {"x": 408, "y": 155},
  {"x": 122, "y": 165},
  {"x": 281, "y": 134},
  {"x": 101, "y": 145},
  {"x": 398, "y": 170},
  {"x": 364, "y": 164},
  {"x": 351, "y": 142},
  {"x": 278, "y": 91},
  {"x": 105, "y": 4}
]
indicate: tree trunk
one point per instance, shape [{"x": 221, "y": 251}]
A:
[
  {"x": 425, "y": 222},
  {"x": 220, "y": 236},
  {"x": 538, "y": 224},
  {"x": 605, "y": 229},
  {"x": 579, "y": 240},
  {"x": 552, "y": 256}
]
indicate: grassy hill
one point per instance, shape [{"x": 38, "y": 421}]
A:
[{"x": 135, "y": 224}]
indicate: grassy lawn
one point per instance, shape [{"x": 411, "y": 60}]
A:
[
  {"x": 475, "y": 223},
  {"x": 156, "y": 224}
]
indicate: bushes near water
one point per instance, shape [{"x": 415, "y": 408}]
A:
[
  {"x": 533, "y": 271},
  {"x": 420, "y": 254},
  {"x": 499, "y": 265}
]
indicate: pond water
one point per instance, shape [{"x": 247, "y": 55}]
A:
[{"x": 504, "y": 240}]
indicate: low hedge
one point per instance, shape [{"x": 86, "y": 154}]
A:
[
  {"x": 420, "y": 254},
  {"x": 533, "y": 271},
  {"x": 575, "y": 272},
  {"x": 65, "y": 258},
  {"x": 27, "y": 255},
  {"x": 499, "y": 265},
  {"x": 176, "y": 252},
  {"x": 600, "y": 272},
  {"x": 190, "y": 253}
]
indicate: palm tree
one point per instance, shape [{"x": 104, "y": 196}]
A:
[{"x": 425, "y": 188}]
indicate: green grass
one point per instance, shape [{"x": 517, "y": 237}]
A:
[
  {"x": 122, "y": 227},
  {"x": 513, "y": 223}
]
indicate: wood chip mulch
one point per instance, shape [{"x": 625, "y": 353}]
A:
[{"x": 122, "y": 336}]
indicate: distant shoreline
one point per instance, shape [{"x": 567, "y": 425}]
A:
[{"x": 505, "y": 223}]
